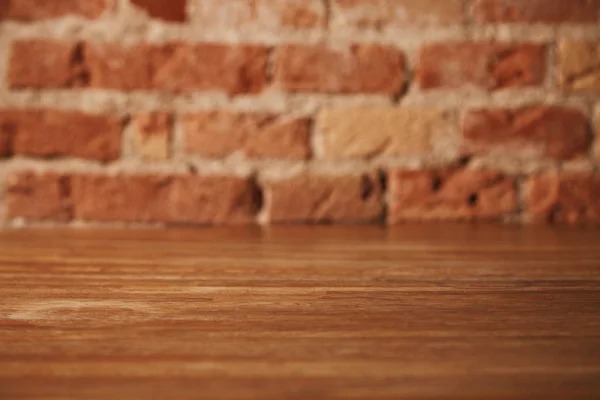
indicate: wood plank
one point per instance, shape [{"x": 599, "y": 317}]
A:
[{"x": 452, "y": 311}]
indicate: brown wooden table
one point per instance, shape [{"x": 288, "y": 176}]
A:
[{"x": 448, "y": 311}]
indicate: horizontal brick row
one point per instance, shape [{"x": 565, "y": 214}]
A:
[
  {"x": 56, "y": 133},
  {"x": 239, "y": 69},
  {"x": 303, "y": 14},
  {"x": 426, "y": 195},
  {"x": 535, "y": 133}
]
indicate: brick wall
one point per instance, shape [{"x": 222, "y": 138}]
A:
[{"x": 305, "y": 111}]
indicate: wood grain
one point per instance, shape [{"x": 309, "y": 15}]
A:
[{"x": 417, "y": 312}]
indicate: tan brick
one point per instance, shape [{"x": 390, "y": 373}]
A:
[
  {"x": 172, "y": 10},
  {"x": 571, "y": 198},
  {"x": 188, "y": 199},
  {"x": 153, "y": 135},
  {"x": 579, "y": 66},
  {"x": 367, "y": 68},
  {"x": 219, "y": 134},
  {"x": 37, "y": 197},
  {"x": 366, "y": 132},
  {"x": 532, "y": 132},
  {"x": 449, "y": 195},
  {"x": 314, "y": 198},
  {"x": 378, "y": 14},
  {"x": 32, "y": 10},
  {"x": 547, "y": 11},
  {"x": 261, "y": 14},
  {"x": 489, "y": 66},
  {"x": 39, "y": 63},
  {"x": 52, "y": 133}
]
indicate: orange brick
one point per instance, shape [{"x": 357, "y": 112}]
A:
[
  {"x": 219, "y": 134},
  {"x": 533, "y": 132},
  {"x": 38, "y": 197},
  {"x": 314, "y": 198},
  {"x": 32, "y": 10},
  {"x": 175, "y": 67},
  {"x": 450, "y": 195},
  {"x": 378, "y": 14},
  {"x": 44, "y": 63},
  {"x": 367, "y": 68},
  {"x": 571, "y": 198},
  {"x": 548, "y": 11},
  {"x": 185, "y": 199},
  {"x": 486, "y": 65},
  {"x": 52, "y": 133}
]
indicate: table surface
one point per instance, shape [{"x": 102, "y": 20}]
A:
[{"x": 415, "y": 312}]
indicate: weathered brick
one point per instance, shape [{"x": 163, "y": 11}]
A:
[
  {"x": 533, "y": 132},
  {"x": 174, "y": 67},
  {"x": 38, "y": 197},
  {"x": 366, "y": 132},
  {"x": 172, "y": 10},
  {"x": 187, "y": 199},
  {"x": 450, "y": 195},
  {"x": 571, "y": 198},
  {"x": 32, "y": 10},
  {"x": 178, "y": 67},
  {"x": 52, "y": 133},
  {"x": 257, "y": 135},
  {"x": 365, "y": 68},
  {"x": 489, "y": 66},
  {"x": 547, "y": 11},
  {"x": 596, "y": 150},
  {"x": 153, "y": 135},
  {"x": 39, "y": 63},
  {"x": 261, "y": 14},
  {"x": 379, "y": 14},
  {"x": 313, "y": 198},
  {"x": 579, "y": 66}
]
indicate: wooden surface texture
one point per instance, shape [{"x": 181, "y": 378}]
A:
[{"x": 417, "y": 312}]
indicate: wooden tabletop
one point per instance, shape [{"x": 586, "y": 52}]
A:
[{"x": 417, "y": 312}]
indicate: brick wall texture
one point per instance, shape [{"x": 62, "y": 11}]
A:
[{"x": 202, "y": 112}]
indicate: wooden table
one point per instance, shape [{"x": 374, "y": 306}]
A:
[{"x": 417, "y": 312}]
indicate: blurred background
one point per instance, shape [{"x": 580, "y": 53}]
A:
[{"x": 202, "y": 112}]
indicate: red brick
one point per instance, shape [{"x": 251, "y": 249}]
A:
[
  {"x": 312, "y": 198},
  {"x": 219, "y": 134},
  {"x": 378, "y": 14},
  {"x": 571, "y": 198},
  {"x": 178, "y": 67},
  {"x": 548, "y": 11},
  {"x": 533, "y": 132},
  {"x": 187, "y": 199},
  {"x": 172, "y": 67},
  {"x": 172, "y": 10},
  {"x": 450, "y": 195},
  {"x": 486, "y": 65},
  {"x": 42, "y": 63},
  {"x": 153, "y": 135},
  {"x": 367, "y": 68},
  {"x": 51, "y": 133},
  {"x": 38, "y": 197},
  {"x": 270, "y": 14},
  {"x": 32, "y": 10}
]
